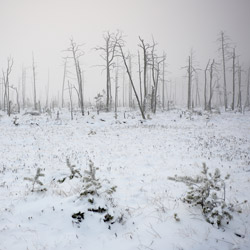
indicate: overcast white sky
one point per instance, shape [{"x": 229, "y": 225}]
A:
[{"x": 45, "y": 26}]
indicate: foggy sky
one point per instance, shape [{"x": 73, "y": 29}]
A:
[{"x": 45, "y": 26}]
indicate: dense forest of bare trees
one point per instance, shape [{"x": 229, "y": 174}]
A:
[{"x": 135, "y": 80}]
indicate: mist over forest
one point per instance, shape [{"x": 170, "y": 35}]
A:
[{"x": 39, "y": 34}]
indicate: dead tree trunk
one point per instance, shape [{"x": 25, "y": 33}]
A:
[
  {"x": 155, "y": 77},
  {"x": 163, "y": 82},
  {"x": 140, "y": 80},
  {"x": 197, "y": 92},
  {"x": 76, "y": 53},
  {"x": 23, "y": 87},
  {"x": 211, "y": 86},
  {"x": 116, "y": 91},
  {"x": 109, "y": 53},
  {"x": 130, "y": 85},
  {"x": 123, "y": 87},
  {"x": 247, "y": 103},
  {"x": 63, "y": 83},
  {"x": 34, "y": 81},
  {"x": 205, "y": 86},
  {"x": 131, "y": 81},
  {"x": 145, "y": 49},
  {"x": 189, "y": 104},
  {"x": 70, "y": 99},
  {"x": 7, "y": 102},
  {"x": 233, "y": 97},
  {"x": 239, "y": 93},
  {"x": 47, "y": 93},
  {"x": 224, "y": 68}
]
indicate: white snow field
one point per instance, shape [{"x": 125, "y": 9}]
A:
[{"x": 138, "y": 206}]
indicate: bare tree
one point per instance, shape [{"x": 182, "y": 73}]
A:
[
  {"x": 47, "y": 92},
  {"x": 70, "y": 99},
  {"x": 205, "y": 86},
  {"x": 34, "y": 81},
  {"x": 197, "y": 92},
  {"x": 131, "y": 80},
  {"x": 140, "y": 79},
  {"x": 64, "y": 78},
  {"x": 130, "y": 99},
  {"x": 211, "y": 85},
  {"x": 76, "y": 51},
  {"x": 146, "y": 52},
  {"x": 163, "y": 81},
  {"x": 190, "y": 70},
  {"x": 247, "y": 103},
  {"x": 7, "y": 102},
  {"x": 116, "y": 89},
  {"x": 239, "y": 105},
  {"x": 224, "y": 46},
  {"x": 155, "y": 63},
  {"x": 108, "y": 54},
  {"x": 234, "y": 73},
  {"x": 23, "y": 87}
]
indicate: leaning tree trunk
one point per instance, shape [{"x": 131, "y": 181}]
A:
[{"x": 131, "y": 82}]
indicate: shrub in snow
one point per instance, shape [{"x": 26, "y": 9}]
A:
[
  {"x": 91, "y": 184},
  {"x": 98, "y": 197},
  {"x": 208, "y": 191},
  {"x": 74, "y": 172},
  {"x": 35, "y": 180}
]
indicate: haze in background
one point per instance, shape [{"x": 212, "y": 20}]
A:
[{"x": 45, "y": 26}]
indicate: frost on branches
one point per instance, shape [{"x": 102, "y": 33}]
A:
[{"x": 208, "y": 191}]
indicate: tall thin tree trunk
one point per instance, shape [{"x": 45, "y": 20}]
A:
[
  {"x": 23, "y": 87},
  {"x": 123, "y": 87},
  {"x": 239, "y": 94},
  {"x": 130, "y": 85},
  {"x": 70, "y": 98},
  {"x": 63, "y": 83},
  {"x": 247, "y": 103},
  {"x": 189, "y": 82},
  {"x": 140, "y": 80},
  {"x": 34, "y": 81},
  {"x": 211, "y": 86},
  {"x": 224, "y": 69},
  {"x": 233, "y": 97},
  {"x": 205, "y": 86},
  {"x": 163, "y": 84},
  {"x": 47, "y": 92},
  {"x": 116, "y": 92}
]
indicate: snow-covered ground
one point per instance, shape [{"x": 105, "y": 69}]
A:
[{"x": 133, "y": 159}]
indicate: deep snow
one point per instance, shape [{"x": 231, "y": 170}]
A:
[{"x": 134, "y": 155}]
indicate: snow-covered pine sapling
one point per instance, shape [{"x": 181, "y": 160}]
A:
[
  {"x": 96, "y": 195},
  {"x": 91, "y": 184},
  {"x": 36, "y": 180},
  {"x": 74, "y": 172},
  {"x": 208, "y": 191}
]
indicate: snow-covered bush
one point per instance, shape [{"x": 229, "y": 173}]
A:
[
  {"x": 98, "y": 196},
  {"x": 91, "y": 184},
  {"x": 208, "y": 191},
  {"x": 73, "y": 171},
  {"x": 35, "y": 180}
]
